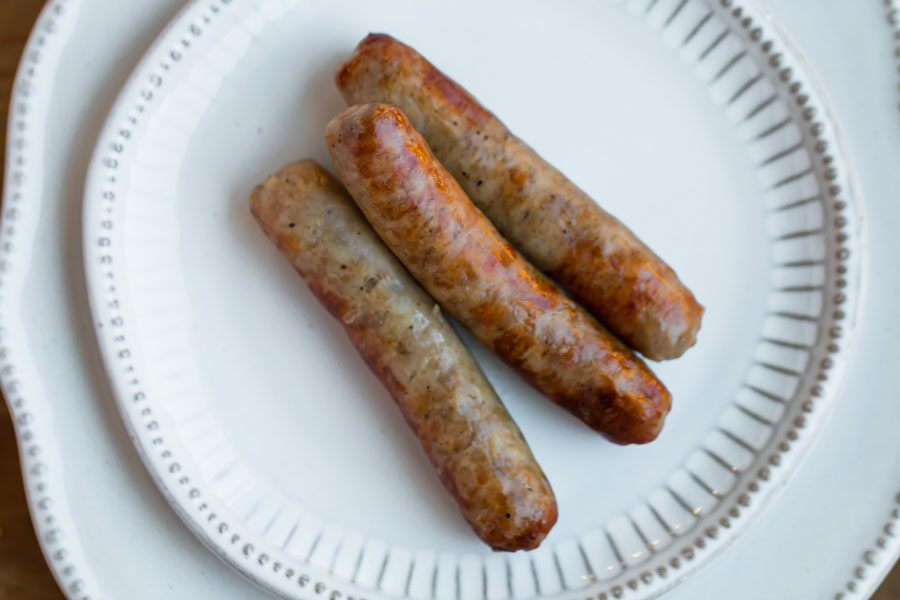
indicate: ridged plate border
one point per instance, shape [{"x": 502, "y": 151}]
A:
[
  {"x": 75, "y": 576},
  {"x": 878, "y": 558},
  {"x": 30, "y": 409},
  {"x": 792, "y": 432}
]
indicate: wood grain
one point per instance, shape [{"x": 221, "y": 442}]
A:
[{"x": 23, "y": 573}]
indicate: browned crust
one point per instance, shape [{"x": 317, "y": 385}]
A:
[
  {"x": 554, "y": 223},
  {"x": 476, "y": 448},
  {"x": 424, "y": 216}
]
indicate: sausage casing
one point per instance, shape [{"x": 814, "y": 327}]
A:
[
  {"x": 473, "y": 443},
  {"x": 554, "y": 223},
  {"x": 424, "y": 216}
]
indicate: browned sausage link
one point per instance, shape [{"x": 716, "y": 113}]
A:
[
  {"x": 472, "y": 441},
  {"x": 424, "y": 216},
  {"x": 555, "y": 224}
]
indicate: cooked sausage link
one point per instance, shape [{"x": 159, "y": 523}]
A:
[
  {"x": 555, "y": 224},
  {"x": 424, "y": 216},
  {"x": 470, "y": 438}
]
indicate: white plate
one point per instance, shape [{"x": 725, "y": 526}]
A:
[
  {"x": 264, "y": 428},
  {"x": 88, "y": 491}
]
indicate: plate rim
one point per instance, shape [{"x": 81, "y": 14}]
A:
[
  {"x": 878, "y": 558},
  {"x": 22, "y": 109},
  {"x": 765, "y": 486},
  {"x": 41, "y": 465}
]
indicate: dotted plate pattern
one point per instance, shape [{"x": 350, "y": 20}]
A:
[
  {"x": 754, "y": 76},
  {"x": 40, "y": 461},
  {"x": 40, "y": 464},
  {"x": 876, "y": 560}
]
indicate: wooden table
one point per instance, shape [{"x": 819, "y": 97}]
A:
[{"x": 23, "y": 573}]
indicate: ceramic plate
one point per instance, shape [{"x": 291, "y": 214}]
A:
[{"x": 264, "y": 428}]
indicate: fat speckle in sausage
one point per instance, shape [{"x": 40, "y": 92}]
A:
[
  {"x": 467, "y": 266},
  {"x": 598, "y": 259},
  {"x": 476, "y": 448}
]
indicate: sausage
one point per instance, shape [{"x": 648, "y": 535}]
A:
[
  {"x": 424, "y": 216},
  {"x": 555, "y": 224},
  {"x": 473, "y": 443}
]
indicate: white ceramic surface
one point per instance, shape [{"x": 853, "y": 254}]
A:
[
  {"x": 103, "y": 498},
  {"x": 235, "y": 384}
]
